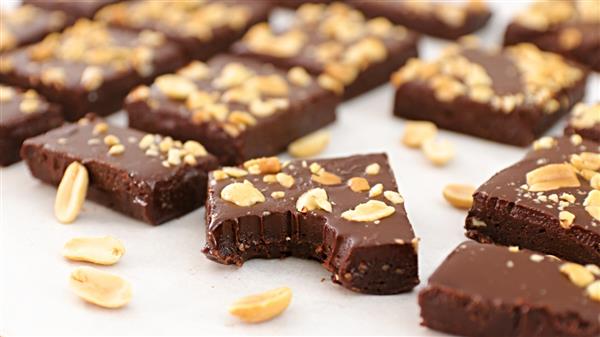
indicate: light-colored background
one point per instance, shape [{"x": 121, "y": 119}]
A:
[{"x": 178, "y": 291}]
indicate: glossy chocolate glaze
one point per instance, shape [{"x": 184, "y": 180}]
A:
[
  {"x": 310, "y": 108},
  {"x": 506, "y": 78},
  {"x": 133, "y": 182},
  {"x": 525, "y": 281},
  {"x": 353, "y": 251},
  {"x": 28, "y": 24},
  {"x": 502, "y": 200}
]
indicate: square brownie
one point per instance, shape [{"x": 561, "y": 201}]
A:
[
  {"x": 201, "y": 29},
  {"x": 569, "y": 28},
  {"x": 74, "y": 9},
  {"x": 487, "y": 290},
  {"x": 439, "y": 19},
  {"x": 237, "y": 107},
  {"x": 148, "y": 177},
  {"x": 23, "y": 115},
  {"x": 27, "y": 24},
  {"x": 90, "y": 67},
  {"x": 336, "y": 42},
  {"x": 510, "y": 96},
  {"x": 549, "y": 201},
  {"x": 585, "y": 121},
  {"x": 345, "y": 213}
]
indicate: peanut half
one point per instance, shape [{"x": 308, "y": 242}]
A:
[
  {"x": 100, "y": 250},
  {"x": 459, "y": 195},
  {"x": 99, "y": 287},
  {"x": 309, "y": 145},
  {"x": 71, "y": 193},
  {"x": 262, "y": 307},
  {"x": 438, "y": 153},
  {"x": 417, "y": 132}
]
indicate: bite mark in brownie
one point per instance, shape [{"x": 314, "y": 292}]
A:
[
  {"x": 23, "y": 115},
  {"x": 239, "y": 108},
  {"x": 510, "y": 96},
  {"x": 487, "y": 290},
  {"x": 90, "y": 67},
  {"x": 549, "y": 202},
  {"x": 202, "y": 29},
  {"x": 444, "y": 20},
  {"x": 345, "y": 213},
  {"x": 585, "y": 121},
  {"x": 145, "y": 176},
  {"x": 335, "y": 42},
  {"x": 570, "y": 28}
]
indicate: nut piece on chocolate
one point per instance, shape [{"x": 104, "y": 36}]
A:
[
  {"x": 90, "y": 67},
  {"x": 445, "y": 20},
  {"x": 585, "y": 121},
  {"x": 28, "y": 24},
  {"x": 349, "y": 53},
  {"x": 23, "y": 115},
  {"x": 145, "y": 176},
  {"x": 510, "y": 96},
  {"x": 202, "y": 28},
  {"x": 74, "y": 9},
  {"x": 345, "y": 213},
  {"x": 549, "y": 202},
  {"x": 567, "y": 27},
  {"x": 487, "y": 290},
  {"x": 237, "y": 107}
]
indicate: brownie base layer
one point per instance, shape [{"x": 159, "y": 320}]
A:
[
  {"x": 452, "y": 312},
  {"x": 286, "y": 234},
  {"x": 272, "y": 137},
  {"x": 492, "y": 220},
  {"x": 156, "y": 204},
  {"x": 417, "y": 101}
]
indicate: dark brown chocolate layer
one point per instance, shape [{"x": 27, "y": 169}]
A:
[
  {"x": 23, "y": 115},
  {"x": 498, "y": 96},
  {"x": 146, "y": 186},
  {"x": 487, "y": 290},
  {"x": 448, "y": 21},
  {"x": 335, "y": 40},
  {"x": 506, "y": 212},
  {"x": 242, "y": 131},
  {"x": 378, "y": 256},
  {"x": 585, "y": 121},
  {"x": 90, "y": 67},
  {"x": 201, "y": 29}
]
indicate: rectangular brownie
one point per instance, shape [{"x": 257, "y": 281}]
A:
[
  {"x": 237, "y": 107},
  {"x": 145, "y": 176},
  {"x": 567, "y": 27},
  {"x": 27, "y": 24},
  {"x": 202, "y": 29},
  {"x": 510, "y": 96},
  {"x": 487, "y": 290},
  {"x": 348, "y": 52},
  {"x": 74, "y": 9},
  {"x": 90, "y": 67},
  {"x": 439, "y": 19},
  {"x": 23, "y": 115},
  {"x": 549, "y": 201},
  {"x": 345, "y": 213},
  {"x": 585, "y": 121}
]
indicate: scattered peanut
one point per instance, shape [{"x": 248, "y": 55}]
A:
[
  {"x": 438, "y": 153},
  {"x": 417, "y": 132},
  {"x": 262, "y": 307},
  {"x": 578, "y": 274},
  {"x": 71, "y": 193},
  {"x": 100, "y": 288},
  {"x": 100, "y": 250},
  {"x": 459, "y": 195},
  {"x": 309, "y": 145}
]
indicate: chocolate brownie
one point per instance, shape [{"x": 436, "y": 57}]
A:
[
  {"x": 510, "y": 96},
  {"x": 345, "y": 213},
  {"x": 26, "y": 24},
  {"x": 585, "y": 121},
  {"x": 439, "y": 19},
  {"x": 90, "y": 67},
  {"x": 202, "y": 29},
  {"x": 568, "y": 27},
  {"x": 348, "y": 52},
  {"x": 23, "y": 115},
  {"x": 74, "y": 9},
  {"x": 145, "y": 176},
  {"x": 549, "y": 201},
  {"x": 487, "y": 290},
  {"x": 237, "y": 107}
]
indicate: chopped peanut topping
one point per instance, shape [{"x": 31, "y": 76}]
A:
[
  {"x": 372, "y": 210},
  {"x": 578, "y": 274},
  {"x": 314, "y": 199},
  {"x": 242, "y": 194},
  {"x": 566, "y": 219},
  {"x": 358, "y": 184},
  {"x": 551, "y": 177}
]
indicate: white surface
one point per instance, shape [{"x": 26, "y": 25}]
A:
[{"x": 178, "y": 291}]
